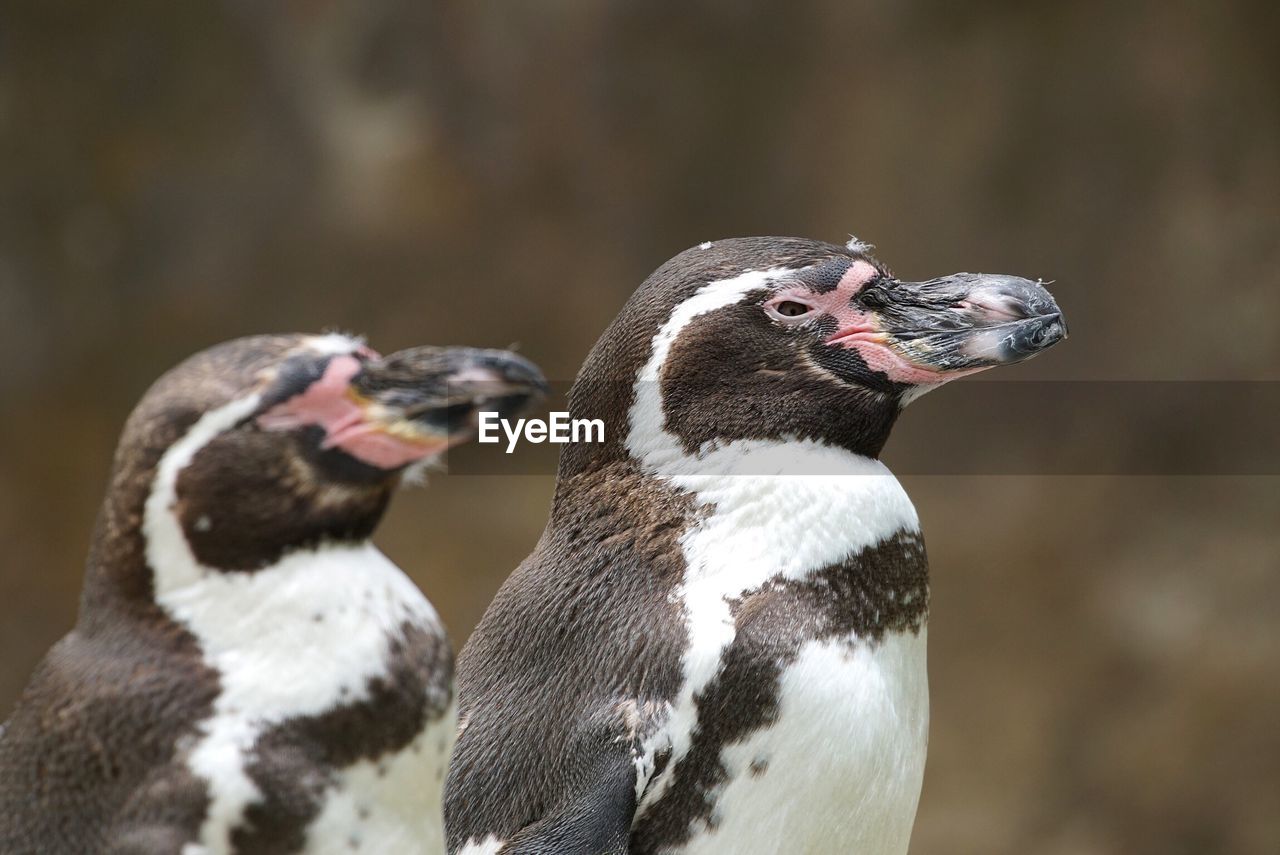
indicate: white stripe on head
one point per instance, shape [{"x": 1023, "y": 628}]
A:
[
  {"x": 647, "y": 439},
  {"x": 173, "y": 565}
]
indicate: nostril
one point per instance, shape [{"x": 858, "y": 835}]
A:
[{"x": 873, "y": 298}]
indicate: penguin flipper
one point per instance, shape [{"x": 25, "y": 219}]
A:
[
  {"x": 596, "y": 820},
  {"x": 163, "y": 814}
]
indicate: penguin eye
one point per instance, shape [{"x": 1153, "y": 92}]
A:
[{"x": 788, "y": 309}]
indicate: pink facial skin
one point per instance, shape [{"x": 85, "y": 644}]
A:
[
  {"x": 327, "y": 403},
  {"x": 860, "y": 330}
]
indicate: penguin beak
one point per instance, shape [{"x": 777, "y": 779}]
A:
[
  {"x": 431, "y": 396},
  {"x": 929, "y": 332},
  {"x": 391, "y": 411}
]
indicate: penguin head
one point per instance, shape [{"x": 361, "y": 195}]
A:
[
  {"x": 790, "y": 339},
  {"x": 268, "y": 444}
]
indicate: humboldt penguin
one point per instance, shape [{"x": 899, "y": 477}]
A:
[
  {"x": 248, "y": 673},
  {"x": 718, "y": 645}
]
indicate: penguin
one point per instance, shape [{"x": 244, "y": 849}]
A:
[
  {"x": 718, "y": 644},
  {"x": 248, "y": 673}
]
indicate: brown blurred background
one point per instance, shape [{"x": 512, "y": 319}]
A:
[{"x": 1105, "y": 650}]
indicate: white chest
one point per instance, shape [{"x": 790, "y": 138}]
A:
[
  {"x": 841, "y": 768},
  {"x": 759, "y": 527},
  {"x": 393, "y": 805},
  {"x": 300, "y": 639}
]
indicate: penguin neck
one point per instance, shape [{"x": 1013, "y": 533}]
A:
[
  {"x": 786, "y": 509},
  {"x": 803, "y": 502},
  {"x": 746, "y": 512},
  {"x": 131, "y": 563},
  {"x": 783, "y": 506},
  {"x": 117, "y": 580}
]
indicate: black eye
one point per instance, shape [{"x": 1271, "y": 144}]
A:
[{"x": 791, "y": 309}]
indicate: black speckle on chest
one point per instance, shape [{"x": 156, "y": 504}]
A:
[
  {"x": 295, "y": 762},
  {"x": 882, "y": 590}
]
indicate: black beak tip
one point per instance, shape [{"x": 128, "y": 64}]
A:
[
  {"x": 1035, "y": 335},
  {"x": 444, "y": 388}
]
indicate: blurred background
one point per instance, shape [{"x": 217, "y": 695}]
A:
[{"x": 1104, "y": 648}]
